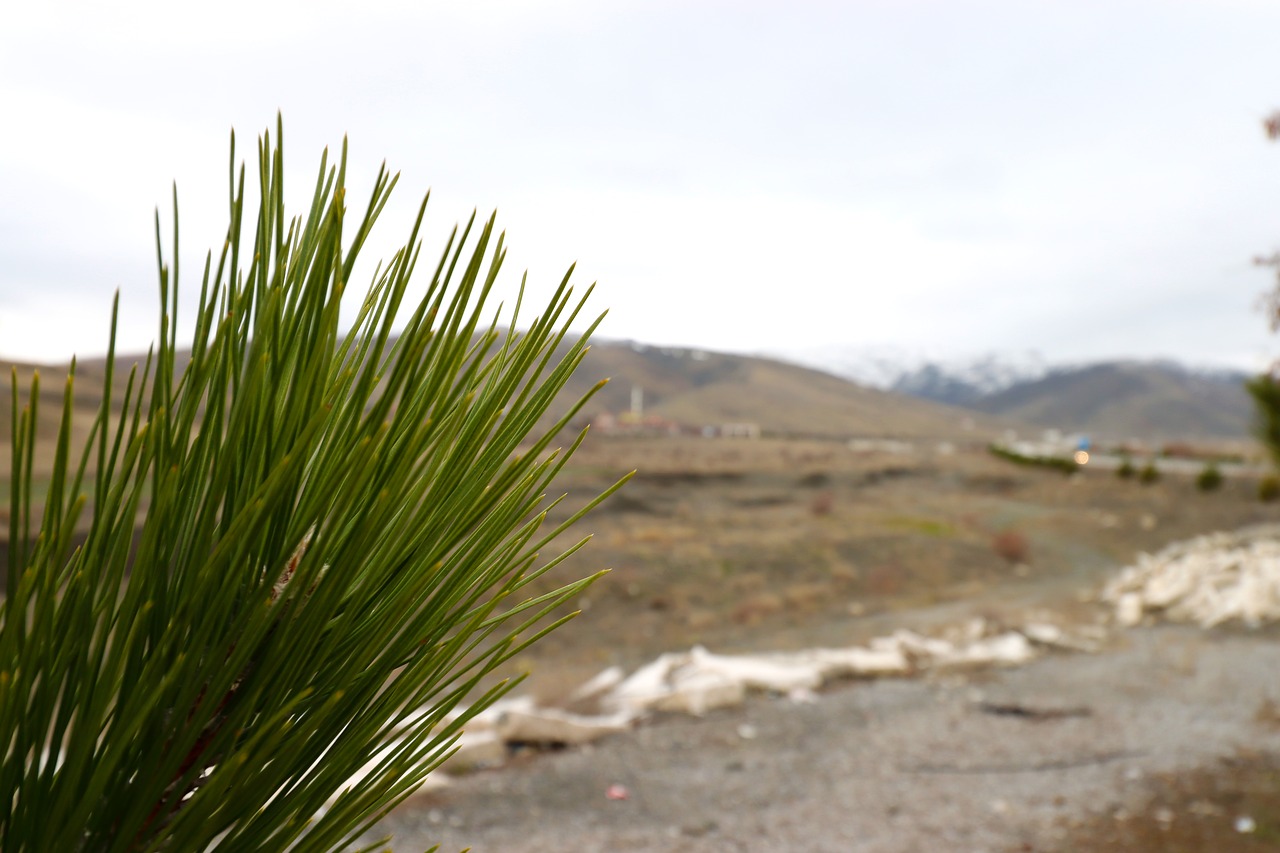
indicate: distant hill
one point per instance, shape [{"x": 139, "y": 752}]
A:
[
  {"x": 689, "y": 387},
  {"x": 1154, "y": 400},
  {"x": 1126, "y": 399},
  {"x": 697, "y": 387}
]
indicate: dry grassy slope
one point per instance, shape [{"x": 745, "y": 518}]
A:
[
  {"x": 696, "y": 387},
  {"x": 686, "y": 386},
  {"x": 1129, "y": 399},
  {"x": 86, "y": 397}
]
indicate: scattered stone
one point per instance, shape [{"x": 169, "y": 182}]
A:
[
  {"x": 477, "y": 749},
  {"x": 1026, "y": 712},
  {"x": 698, "y": 681},
  {"x": 802, "y": 696},
  {"x": 598, "y": 686},
  {"x": 553, "y": 726},
  {"x": 698, "y": 830}
]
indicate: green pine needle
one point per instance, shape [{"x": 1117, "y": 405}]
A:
[{"x": 335, "y": 532}]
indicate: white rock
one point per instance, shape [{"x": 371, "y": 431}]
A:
[
  {"x": 551, "y": 725},
  {"x": 645, "y": 686},
  {"x": 778, "y": 674},
  {"x": 476, "y": 749},
  {"x": 859, "y": 662},
  {"x": 696, "y": 692},
  {"x": 599, "y": 685},
  {"x": 1129, "y": 609}
]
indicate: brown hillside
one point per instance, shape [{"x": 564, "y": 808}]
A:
[
  {"x": 696, "y": 388},
  {"x": 1123, "y": 400},
  {"x": 692, "y": 388}
]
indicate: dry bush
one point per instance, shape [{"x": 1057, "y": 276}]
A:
[
  {"x": 1011, "y": 546},
  {"x": 884, "y": 579},
  {"x": 806, "y": 596},
  {"x": 1269, "y": 488},
  {"x": 1209, "y": 479},
  {"x": 755, "y": 609},
  {"x": 823, "y": 503},
  {"x": 1268, "y": 714}
]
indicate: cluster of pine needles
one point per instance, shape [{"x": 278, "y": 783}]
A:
[{"x": 252, "y": 599}]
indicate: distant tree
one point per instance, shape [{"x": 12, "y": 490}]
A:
[
  {"x": 1269, "y": 488},
  {"x": 1209, "y": 479},
  {"x": 1265, "y": 388},
  {"x": 1126, "y": 471}
]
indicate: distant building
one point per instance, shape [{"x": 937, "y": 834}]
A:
[{"x": 738, "y": 430}]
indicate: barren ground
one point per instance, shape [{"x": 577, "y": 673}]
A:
[{"x": 773, "y": 545}]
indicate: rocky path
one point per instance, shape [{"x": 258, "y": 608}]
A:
[{"x": 989, "y": 761}]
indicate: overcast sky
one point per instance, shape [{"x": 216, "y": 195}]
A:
[{"x": 1084, "y": 179}]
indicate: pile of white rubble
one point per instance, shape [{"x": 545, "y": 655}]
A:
[
  {"x": 1209, "y": 580},
  {"x": 699, "y": 681}
]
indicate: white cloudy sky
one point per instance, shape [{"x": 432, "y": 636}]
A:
[{"x": 1086, "y": 179}]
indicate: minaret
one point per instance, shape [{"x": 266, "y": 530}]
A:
[{"x": 637, "y": 401}]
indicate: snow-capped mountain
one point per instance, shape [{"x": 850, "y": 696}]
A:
[
  {"x": 1121, "y": 398},
  {"x": 955, "y": 380}
]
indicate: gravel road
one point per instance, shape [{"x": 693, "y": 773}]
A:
[{"x": 984, "y": 761}]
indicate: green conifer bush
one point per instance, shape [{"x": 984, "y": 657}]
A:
[
  {"x": 1269, "y": 488},
  {"x": 1209, "y": 479},
  {"x": 337, "y": 527}
]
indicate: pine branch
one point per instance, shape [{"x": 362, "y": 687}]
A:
[{"x": 335, "y": 526}]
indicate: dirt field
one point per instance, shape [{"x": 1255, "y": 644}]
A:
[
  {"x": 758, "y": 545},
  {"x": 754, "y": 545},
  {"x": 901, "y": 766}
]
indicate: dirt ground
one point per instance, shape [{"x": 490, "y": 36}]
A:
[
  {"x": 905, "y": 765},
  {"x": 745, "y": 546},
  {"x": 759, "y": 545}
]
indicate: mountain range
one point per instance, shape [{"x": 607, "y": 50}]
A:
[
  {"x": 1120, "y": 399},
  {"x": 694, "y": 387},
  {"x": 878, "y": 398}
]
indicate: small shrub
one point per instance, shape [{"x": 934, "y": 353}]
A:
[
  {"x": 1210, "y": 479},
  {"x": 1269, "y": 488},
  {"x": 1149, "y": 474},
  {"x": 1126, "y": 471},
  {"x": 823, "y": 502},
  {"x": 1011, "y": 546},
  {"x": 757, "y": 608},
  {"x": 884, "y": 580}
]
